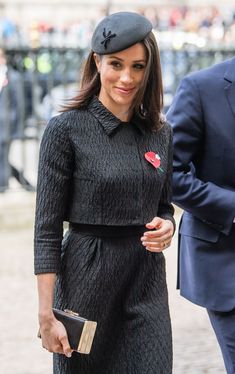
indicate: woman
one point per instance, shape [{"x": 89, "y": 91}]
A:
[{"x": 105, "y": 167}]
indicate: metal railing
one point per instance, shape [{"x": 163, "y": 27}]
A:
[{"x": 42, "y": 77}]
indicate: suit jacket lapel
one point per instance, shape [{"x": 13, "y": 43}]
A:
[{"x": 229, "y": 77}]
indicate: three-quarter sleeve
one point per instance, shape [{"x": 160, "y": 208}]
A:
[
  {"x": 166, "y": 209},
  {"x": 54, "y": 176}
]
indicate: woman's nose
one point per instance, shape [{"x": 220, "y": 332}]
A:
[{"x": 126, "y": 76}]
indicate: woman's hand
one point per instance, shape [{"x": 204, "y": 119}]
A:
[
  {"x": 159, "y": 239},
  {"x": 53, "y": 333},
  {"x": 54, "y": 336}
]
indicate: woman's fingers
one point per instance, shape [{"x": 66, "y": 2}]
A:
[
  {"x": 159, "y": 239},
  {"x": 159, "y": 242},
  {"x": 53, "y": 346},
  {"x": 156, "y": 222},
  {"x": 162, "y": 228},
  {"x": 156, "y": 246},
  {"x": 65, "y": 346},
  {"x": 55, "y": 340},
  {"x": 154, "y": 239},
  {"x": 57, "y": 348}
]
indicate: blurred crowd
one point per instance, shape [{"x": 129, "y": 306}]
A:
[
  {"x": 35, "y": 83},
  {"x": 175, "y": 26}
]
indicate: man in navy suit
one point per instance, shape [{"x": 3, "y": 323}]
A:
[{"x": 203, "y": 119}]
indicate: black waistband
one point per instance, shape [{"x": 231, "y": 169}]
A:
[{"x": 107, "y": 231}]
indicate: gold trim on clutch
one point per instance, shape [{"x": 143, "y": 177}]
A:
[
  {"x": 68, "y": 311},
  {"x": 87, "y": 336}
]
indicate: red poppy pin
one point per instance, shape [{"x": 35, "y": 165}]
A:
[{"x": 154, "y": 159}]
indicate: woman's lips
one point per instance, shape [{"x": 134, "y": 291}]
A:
[{"x": 125, "y": 91}]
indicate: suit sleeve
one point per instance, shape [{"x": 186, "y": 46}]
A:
[
  {"x": 212, "y": 204},
  {"x": 53, "y": 185}
]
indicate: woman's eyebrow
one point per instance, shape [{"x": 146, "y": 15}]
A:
[
  {"x": 120, "y": 59},
  {"x": 117, "y": 58},
  {"x": 140, "y": 60}
]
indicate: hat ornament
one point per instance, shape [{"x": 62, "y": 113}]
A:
[{"x": 107, "y": 38}]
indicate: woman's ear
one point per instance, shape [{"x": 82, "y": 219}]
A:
[{"x": 97, "y": 61}]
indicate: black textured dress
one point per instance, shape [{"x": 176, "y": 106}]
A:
[{"x": 93, "y": 174}]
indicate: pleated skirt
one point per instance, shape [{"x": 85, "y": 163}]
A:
[{"x": 108, "y": 276}]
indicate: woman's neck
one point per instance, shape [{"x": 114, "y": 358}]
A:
[
  {"x": 124, "y": 113},
  {"x": 124, "y": 117}
]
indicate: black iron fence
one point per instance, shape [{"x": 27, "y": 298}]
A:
[
  {"x": 39, "y": 80},
  {"x": 178, "y": 63}
]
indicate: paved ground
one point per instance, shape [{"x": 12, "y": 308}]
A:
[{"x": 195, "y": 347}]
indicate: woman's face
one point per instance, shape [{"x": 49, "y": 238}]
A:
[{"x": 121, "y": 75}]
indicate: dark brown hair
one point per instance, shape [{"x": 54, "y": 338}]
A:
[{"x": 148, "y": 102}]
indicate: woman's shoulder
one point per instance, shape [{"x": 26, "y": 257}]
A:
[
  {"x": 63, "y": 118},
  {"x": 165, "y": 128},
  {"x": 65, "y": 121},
  {"x": 163, "y": 137}
]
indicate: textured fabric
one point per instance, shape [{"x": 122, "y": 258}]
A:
[
  {"x": 92, "y": 171},
  {"x": 114, "y": 281}
]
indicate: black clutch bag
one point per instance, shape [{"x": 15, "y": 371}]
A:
[{"x": 80, "y": 331}]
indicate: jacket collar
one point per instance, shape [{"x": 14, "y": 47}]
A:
[
  {"x": 229, "y": 74},
  {"x": 108, "y": 120},
  {"x": 229, "y": 77}
]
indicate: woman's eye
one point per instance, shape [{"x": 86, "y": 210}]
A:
[
  {"x": 116, "y": 64},
  {"x": 139, "y": 66}
]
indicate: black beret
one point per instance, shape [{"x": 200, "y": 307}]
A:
[{"x": 119, "y": 31}]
